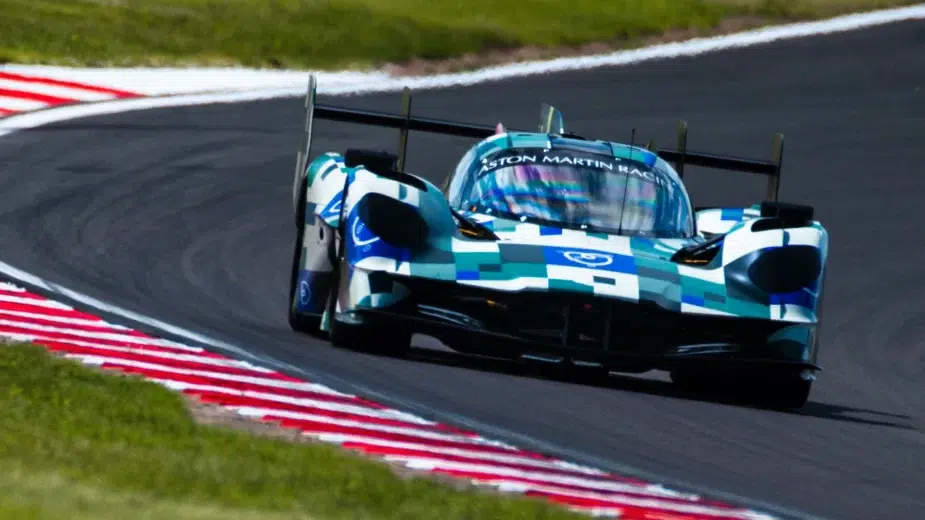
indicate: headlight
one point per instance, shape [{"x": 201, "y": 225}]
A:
[{"x": 699, "y": 254}]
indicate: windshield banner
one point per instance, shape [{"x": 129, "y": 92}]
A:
[{"x": 613, "y": 164}]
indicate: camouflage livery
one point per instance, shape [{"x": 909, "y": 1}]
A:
[
  {"x": 535, "y": 257},
  {"x": 375, "y": 275}
]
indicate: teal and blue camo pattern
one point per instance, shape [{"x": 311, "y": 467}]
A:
[{"x": 531, "y": 257}]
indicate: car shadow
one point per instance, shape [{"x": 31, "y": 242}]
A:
[{"x": 663, "y": 388}]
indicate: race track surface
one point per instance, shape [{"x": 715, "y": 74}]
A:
[{"x": 185, "y": 214}]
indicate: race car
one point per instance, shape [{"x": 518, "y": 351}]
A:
[{"x": 549, "y": 247}]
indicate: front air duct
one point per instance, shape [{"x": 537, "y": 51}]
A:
[
  {"x": 786, "y": 269},
  {"x": 397, "y": 223}
]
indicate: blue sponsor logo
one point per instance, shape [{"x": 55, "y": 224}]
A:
[
  {"x": 333, "y": 208},
  {"x": 364, "y": 243},
  {"x": 305, "y": 293},
  {"x": 362, "y": 237},
  {"x": 588, "y": 259}
]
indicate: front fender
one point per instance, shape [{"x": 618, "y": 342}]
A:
[
  {"x": 397, "y": 207},
  {"x": 327, "y": 178},
  {"x": 783, "y": 268},
  {"x": 390, "y": 224},
  {"x": 755, "y": 234}
]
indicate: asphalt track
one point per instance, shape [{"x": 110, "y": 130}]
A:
[{"x": 185, "y": 214}]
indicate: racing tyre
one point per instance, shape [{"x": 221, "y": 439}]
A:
[
  {"x": 388, "y": 340},
  {"x": 304, "y": 323}
]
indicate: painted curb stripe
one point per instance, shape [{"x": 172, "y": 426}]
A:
[
  {"x": 409, "y": 454},
  {"x": 54, "y": 322},
  {"x": 29, "y": 301},
  {"x": 14, "y": 104},
  {"x": 350, "y": 421},
  {"x": 24, "y": 93},
  {"x": 241, "y": 404},
  {"x": 530, "y": 459},
  {"x": 35, "y": 96},
  {"x": 234, "y": 397},
  {"x": 149, "y": 370},
  {"x": 66, "y": 84},
  {"x": 53, "y": 90}
]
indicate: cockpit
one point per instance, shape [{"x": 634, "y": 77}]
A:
[{"x": 576, "y": 190}]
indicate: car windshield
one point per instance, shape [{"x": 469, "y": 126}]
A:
[{"x": 581, "y": 191}]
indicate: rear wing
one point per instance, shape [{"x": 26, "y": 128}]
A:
[
  {"x": 551, "y": 122},
  {"x": 770, "y": 168}
]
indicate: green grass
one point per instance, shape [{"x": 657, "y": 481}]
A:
[
  {"x": 352, "y": 33},
  {"x": 79, "y": 444}
]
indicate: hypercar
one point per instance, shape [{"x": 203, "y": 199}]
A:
[{"x": 549, "y": 247}]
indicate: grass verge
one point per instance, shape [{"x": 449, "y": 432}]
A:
[
  {"x": 360, "y": 33},
  {"x": 76, "y": 443}
]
